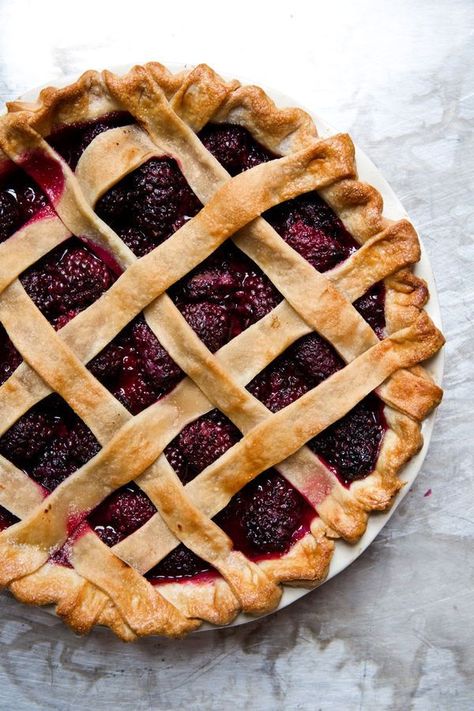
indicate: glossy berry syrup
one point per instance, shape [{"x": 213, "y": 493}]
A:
[
  {"x": 20, "y": 201},
  {"x": 220, "y": 298}
]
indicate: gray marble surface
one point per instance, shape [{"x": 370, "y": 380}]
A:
[{"x": 396, "y": 629}]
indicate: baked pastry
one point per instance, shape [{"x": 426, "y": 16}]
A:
[{"x": 209, "y": 351}]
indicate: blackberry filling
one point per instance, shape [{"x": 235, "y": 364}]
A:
[
  {"x": 149, "y": 204},
  {"x": 66, "y": 281},
  {"x": 306, "y": 223},
  {"x": 136, "y": 368},
  {"x": 234, "y": 147},
  {"x": 10, "y": 359},
  {"x": 263, "y": 520},
  {"x": 351, "y": 445},
  {"x": 223, "y": 296},
  {"x": 304, "y": 365},
  {"x": 266, "y": 517},
  {"x": 313, "y": 230},
  {"x": 121, "y": 514},
  {"x": 180, "y": 564},
  {"x": 371, "y": 307},
  {"x": 49, "y": 442},
  {"x": 200, "y": 443},
  {"x": 20, "y": 200}
]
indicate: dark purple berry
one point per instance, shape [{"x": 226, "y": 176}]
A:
[
  {"x": 311, "y": 227},
  {"x": 66, "y": 281},
  {"x": 321, "y": 250},
  {"x": 351, "y": 445},
  {"x": 280, "y": 384},
  {"x": 27, "y": 437},
  {"x": 20, "y": 200},
  {"x": 210, "y": 321},
  {"x": 156, "y": 362},
  {"x": 200, "y": 443},
  {"x": 372, "y": 307},
  {"x": 133, "y": 388},
  {"x": 180, "y": 563},
  {"x": 224, "y": 295},
  {"x": 212, "y": 283},
  {"x": 10, "y": 217},
  {"x": 7, "y": 519},
  {"x": 234, "y": 147},
  {"x": 49, "y": 442},
  {"x": 135, "y": 367},
  {"x": 264, "y": 516},
  {"x": 64, "y": 455},
  {"x": 316, "y": 358},
  {"x": 149, "y": 204},
  {"x": 121, "y": 514}
]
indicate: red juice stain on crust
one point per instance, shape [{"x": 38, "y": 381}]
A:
[
  {"x": 45, "y": 212},
  {"x": 316, "y": 488},
  {"x": 75, "y": 524},
  {"x": 46, "y": 171},
  {"x": 62, "y": 556}
]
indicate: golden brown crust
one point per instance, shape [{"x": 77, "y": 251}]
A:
[{"x": 107, "y": 586}]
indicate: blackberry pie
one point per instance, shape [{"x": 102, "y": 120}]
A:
[{"x": 210, "y": 348}]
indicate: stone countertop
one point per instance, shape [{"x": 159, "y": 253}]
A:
[{"x": 396, "y": 629}]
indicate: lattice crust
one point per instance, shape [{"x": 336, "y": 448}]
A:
[{"x": 107, "y": 585}]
